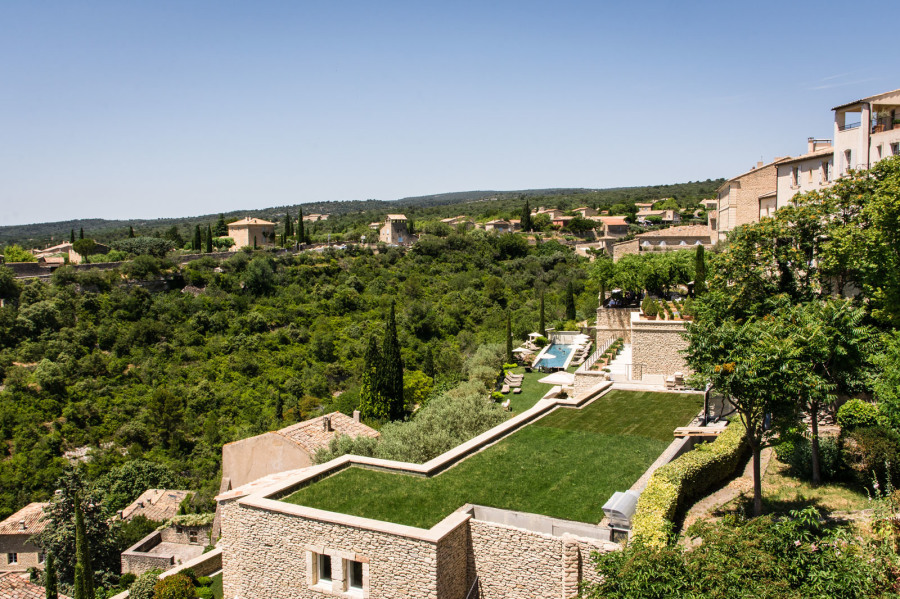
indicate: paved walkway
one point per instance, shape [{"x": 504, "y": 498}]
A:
[
  {"x": 707, "y": 507},
  {"x": 621, "y": 362}
]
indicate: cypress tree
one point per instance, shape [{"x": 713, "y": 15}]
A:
[
  {"x": 84, "y": 572},
  {"x": 72, "y": 236},
  {"x": 570, "y": 302},
  {"x": 391, "y": 374},
  {"x": 542, "y": 329},
  {"x": 197, "y": 243},
  {"x": 301, "y": 233},
  {"x": 50, "y": 578},
  {"x": 527, "y": 226},
  {"x": 130, "y": 232},
  {"x": 699, "y": 271},
  {"x": 81, "y": 233},
  {"x": 208, "y": 239},
  {"x": 288, "y": 225},
  {"x": 509, "y": 355},
  {"x": 371, "y": 401}
]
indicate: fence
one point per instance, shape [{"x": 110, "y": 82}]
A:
[{"x": 601, "y": 349}]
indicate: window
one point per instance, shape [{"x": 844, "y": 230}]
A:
[
  {"x": 354, "y": 575},
  {"x": 809, "y": 175},
  {"x": 192, "y": 537},
  {"x": 12, "y": 558},
  {"x": 41, "y": 557},
  {"x": 895, "y": 148},
  {"x": 879, "y": 151},
  {"x": 848, "y": 154},
  {"x": 826, "y": 176},
  {"x": 324, "y": 567},
  {"x": 795, "y": 176}
]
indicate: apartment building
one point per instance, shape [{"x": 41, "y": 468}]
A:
[{"x": 866, "y": 130}]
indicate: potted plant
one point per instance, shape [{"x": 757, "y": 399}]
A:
[{"x": 652, "y": 310}]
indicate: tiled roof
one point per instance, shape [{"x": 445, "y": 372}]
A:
[
  {"x": 311, "y": 434},
  {"x": 829, "y": 151},
  {"x": 396, "y": 216},
  {"x": 156, "y": 504},
  {"x": 250, "y": 221},
  {"x": 682, "y": 231},
  {"x": 614, "y": 221},
  {"x": 13, "y": 586},
  {"x": 32, "y": 514}
]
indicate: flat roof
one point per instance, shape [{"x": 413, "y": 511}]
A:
[{"x": 874, "y": 98}]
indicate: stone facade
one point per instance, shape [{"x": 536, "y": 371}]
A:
[
  {"x": 252, "y": 232},
  {"x": 656, "y": 345},
  {"x": 17, "y": 551},
  {"x": 617, "y": 250},
  {"x": 614, "y": 323},
  {"x": 739, "y": 197}
]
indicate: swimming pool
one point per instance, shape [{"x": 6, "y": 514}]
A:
[{"x": 556, "y": 356}]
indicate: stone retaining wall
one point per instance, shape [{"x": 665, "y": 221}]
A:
[
  {"x": 614, "y": 323},
  {"x": 656, "y": 344}
]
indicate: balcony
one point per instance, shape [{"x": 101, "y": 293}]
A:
[{"x": 848, "y": 126}]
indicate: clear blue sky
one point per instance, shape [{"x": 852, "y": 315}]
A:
[{"x": 158, "y": 109}]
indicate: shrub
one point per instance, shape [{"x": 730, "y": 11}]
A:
[
  {"x": 873, "y": 454},
  {"x": 204, "y": 581},
  {"x": 796, "y": 451},
  {"x": 143, "y": 586},
  {"x": 177, "y": 586},
  {"x": 205, "y": 593},
  {"x": 857, "y": 413},
  {"x": 686, "y": 477}
]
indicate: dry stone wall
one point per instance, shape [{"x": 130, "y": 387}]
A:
[
  {"x": 656, "y": 344},
  {"x": 613, "y": 323}
]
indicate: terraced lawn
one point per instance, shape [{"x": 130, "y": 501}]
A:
[{"x": 566, "y": 465}]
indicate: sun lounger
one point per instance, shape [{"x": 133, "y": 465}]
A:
[
  {"x": 504, "y": 389},
  {"x": 517, "y": 390}
]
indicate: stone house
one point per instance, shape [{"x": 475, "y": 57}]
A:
[
  {"x": 613, "y": 226},
  {"x": 183, "y": 538},
  {"x": 812, "y": 171},
  {"x": 252, "y": 232},
  {"x": 739, "y": 197},
  {"x": 455, "y": 221},
  {"x": 159, "y": 505},
  {"x": 289, "y": 448},
  {"x": 395, "y": 230},
  {"x": 666, "y": 216},
  {"x": 18, "y": 551},
  {"x": 674, "y": 238},
  {"x": 585, "y": 211},
  {"x": 14, "y": 586},
  {"x": 499, "y": 226}
]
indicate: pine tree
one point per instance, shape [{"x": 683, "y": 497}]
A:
[
  {"x": 221, "y": 229},
  {"x": 542, "y": 330},
  {"x": 371, "y": 401},
  {"x": 570, "y": 302},
  {"x": 50, "y": 578},
  {"x": 84, "y": 572},
  {"x": 391, "y": 375},
  {"x": 526, "y": 223},
  {"x": 72, "y": 236},
  {"x": 208, "y": 239},
  {"x": 509, "y": 355},
  {"x": 81, "y": 233},
  {"x": 699, "y": 271},
  {"x": 131, "y": 232},
  {"x": 301, "y": 233},
  {"x": 197, "y": 243}
]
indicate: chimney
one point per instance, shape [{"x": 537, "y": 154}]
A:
[
  {"x": 759, "y": 164},
  {"x": 22, "y": 525},
  {"x": 326, "y": 423},
  {"x": 140, "y": 504},
  {"x": 810, "y": 145},
  {"x": 355, "y": 415}
]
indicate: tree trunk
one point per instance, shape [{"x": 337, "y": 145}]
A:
[
  {"x": 814, "y": 443},
  {"x": 757, "y": 481}
]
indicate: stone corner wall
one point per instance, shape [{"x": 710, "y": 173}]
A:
[
  {"x": 613, "y": 323},
  {"x": 656, "y": 344},
  {"x": 622, "y": 248}
]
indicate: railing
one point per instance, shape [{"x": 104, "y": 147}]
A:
[
  {"x": 848, "y": 126},
  {"x": 601, "y": 349}
]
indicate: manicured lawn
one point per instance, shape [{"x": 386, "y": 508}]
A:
[
  {"x": 532, "y": 391},
  {"x": 566, "y": 465},
  {"x": 217, "y": 586}
]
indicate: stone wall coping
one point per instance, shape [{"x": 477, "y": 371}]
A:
[
  {"x": 660, "y": 324},
  {"x": 141, "y": 547},
  {"x": 191, "y": 563},
  {"x": 265, "y": 498}
]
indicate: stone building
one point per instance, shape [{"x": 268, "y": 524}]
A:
[
  {"x": 158, "y": 505},
  {"x": 181, "y": 540},
  {"x": 812, "y": 171},
  {"x": 613, "y": 226},
  {"x": 18, "y": 551},
  {"x": 292, "y": 447},
  {"x": 739, "y": 197},
  {"x": 674, "y": 238},
  {"x": 395, "y": 230},
  {"x": 252, "y": 232}
]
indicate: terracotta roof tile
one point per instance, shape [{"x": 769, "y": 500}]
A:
[
  {"x": 312, "y": 436},
  {"x": 13, "y": 586},
  {"x": 682, "y": 231},
  {"x": 32, "y": 514},
  {"x": 156, "y": 504},
  {"x": 250, "y": 221}
]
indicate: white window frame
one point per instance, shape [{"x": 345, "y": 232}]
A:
[
  {"x": 340, "y": 581},
  {"x": 12, "y": 558}
]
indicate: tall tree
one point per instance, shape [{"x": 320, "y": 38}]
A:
[
  {"x": 301, "y": 232},
  {"x": 208, "y": 239},
  {"x": 50, "y": 578},
  {"x": 72, "y": 236},
  {"x": 526, "y": 218},
  {"x": 570, "y": 302},
  {"x": 372, "y": 403},
  {"x": 84, "y": 571},
  {"x": 131, "y": 232},
  {"x": 699, "y": 271},
  {"x": 428, "y": 362},
  {"x": 81, "y": 233},
  {"x": 391, "y": 374},
  {"x": 197, "y": 242},
  {"x": 542, "y": 329},
  {"x": 221, "y": 229},
  {"x": 288, "y": 224},
  {"x": 509, "y": 343}
]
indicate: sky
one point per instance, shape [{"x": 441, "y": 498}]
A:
[{"x": 164, "y": 109}]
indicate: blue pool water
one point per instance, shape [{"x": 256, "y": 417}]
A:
[{"x": 556, "y": 356}]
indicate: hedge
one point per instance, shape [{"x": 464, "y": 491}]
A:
[{"x": 682, "y": 479}]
